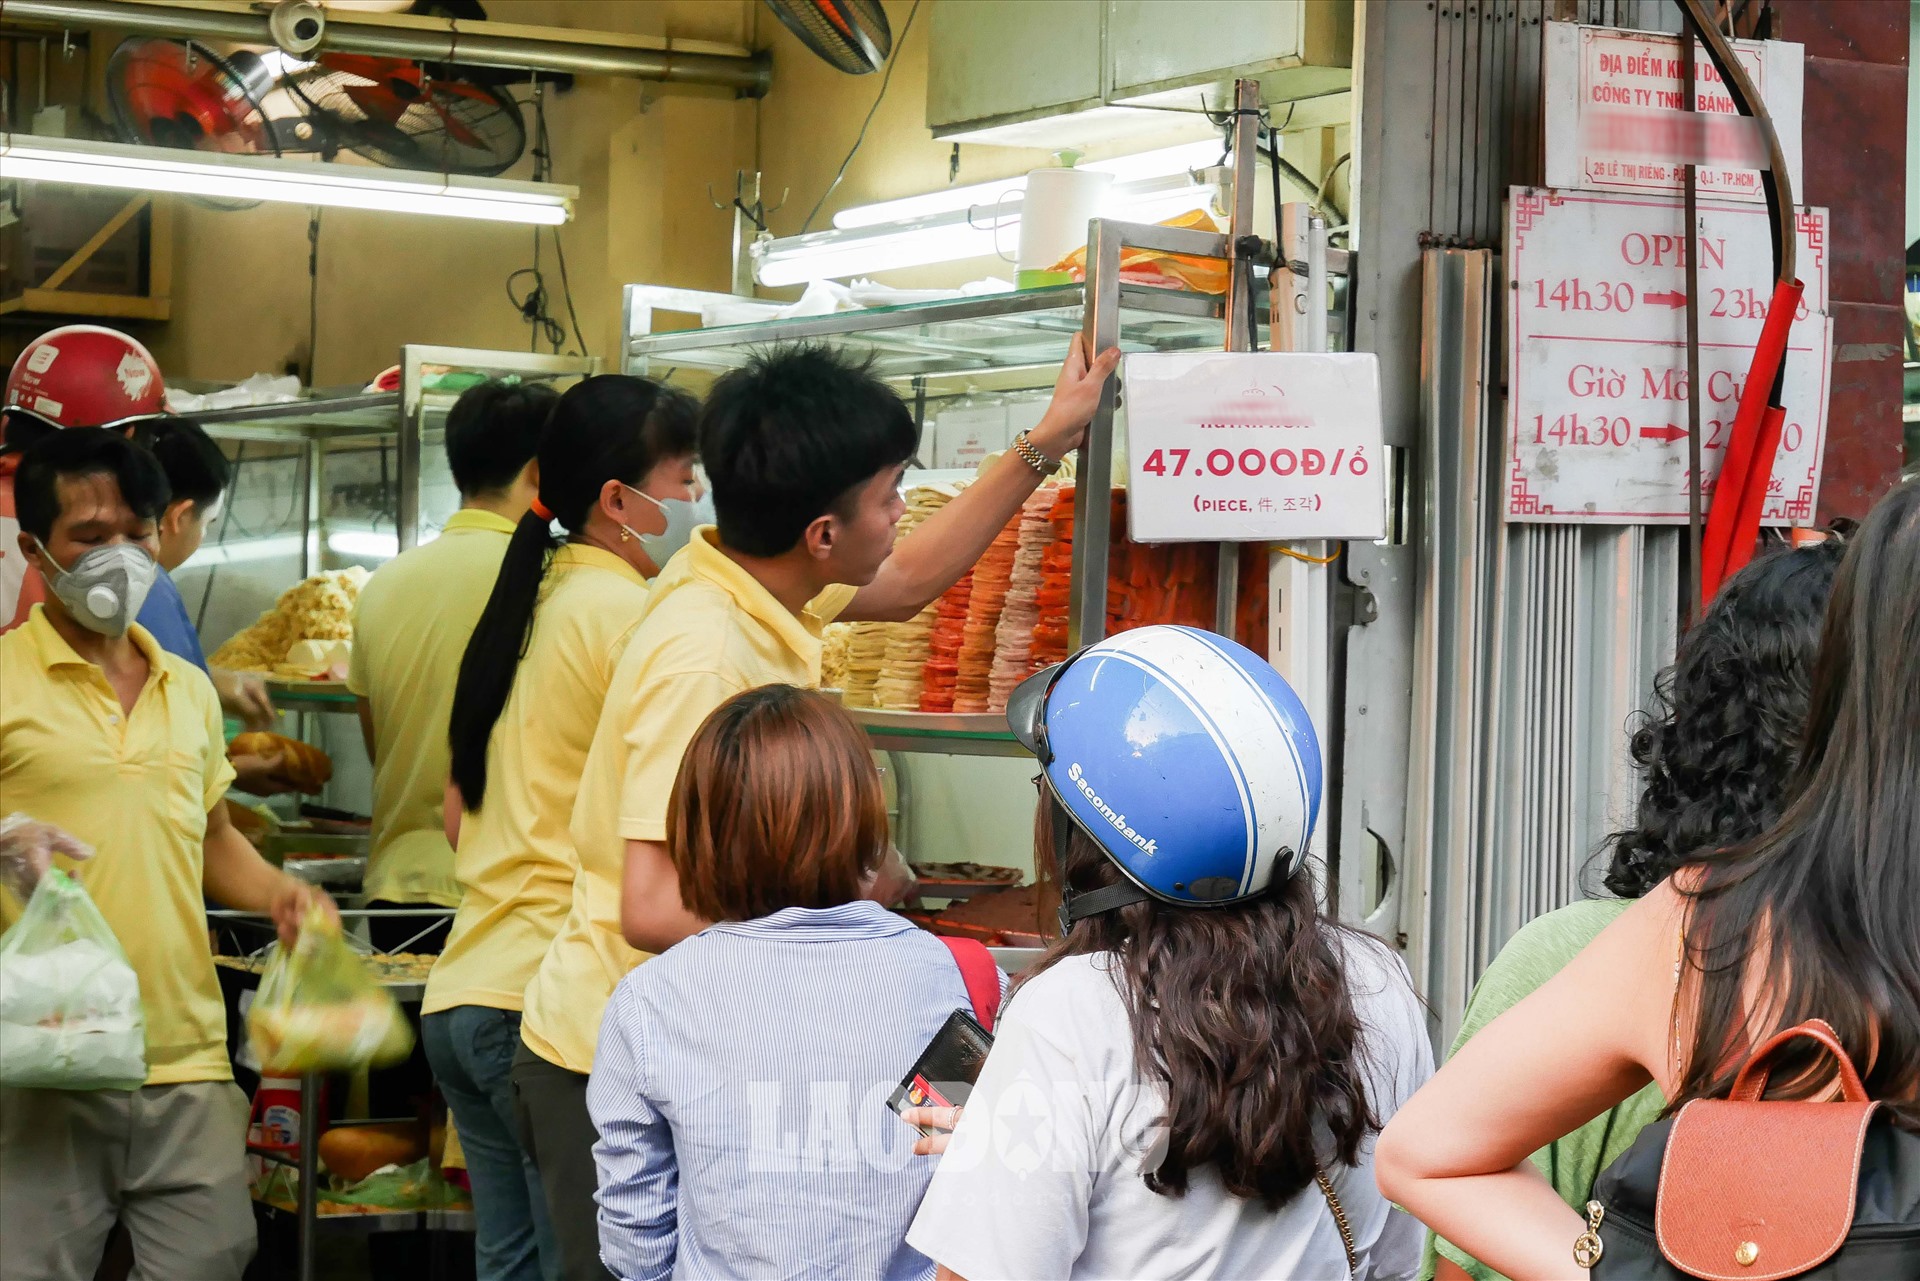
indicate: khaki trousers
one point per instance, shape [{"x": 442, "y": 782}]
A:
[{"x": 168, "y": 1161}]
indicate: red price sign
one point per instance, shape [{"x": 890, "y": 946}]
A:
[{"x": 1253, "y": 447}]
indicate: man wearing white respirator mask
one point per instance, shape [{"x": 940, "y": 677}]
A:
[{"x": 107, "y": 737}]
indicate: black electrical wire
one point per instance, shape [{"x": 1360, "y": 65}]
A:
[
  {"x": 544, "y": 160},
  {"x": 532, "y": 306},
  {"x": 566, "y": 292},
  {"x": 1273, "y": 172},
  {"x": 861, "y": 137},
  {"x": 313, "y": 296},
  {"x": 533, "y": 303}
]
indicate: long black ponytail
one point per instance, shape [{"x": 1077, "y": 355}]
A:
[{"x": 610, "y": 427}]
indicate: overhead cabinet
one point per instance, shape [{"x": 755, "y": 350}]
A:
[{"x": 1090, "y": 71}]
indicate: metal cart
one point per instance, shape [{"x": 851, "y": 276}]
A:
[{"x": 307, "y": 1219}]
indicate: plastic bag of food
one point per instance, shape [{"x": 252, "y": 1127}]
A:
[
  {"x": 70, "y": 1016},
  {"x": 319, "y": 1010},
  {"x": 1155, "y": 267}
]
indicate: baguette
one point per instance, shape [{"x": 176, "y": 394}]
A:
[
  {"x": 354, "y": 1152},
  {"x": 306, "y": 767}
]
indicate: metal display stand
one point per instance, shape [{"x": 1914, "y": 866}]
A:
[
  {"x": 1008, "y": 344},
  {"x": 1012, "y": 342},
  {"x": 307, "y": 1218}
]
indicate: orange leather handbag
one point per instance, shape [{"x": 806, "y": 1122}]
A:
[{"x": 1752, "y": 1189}]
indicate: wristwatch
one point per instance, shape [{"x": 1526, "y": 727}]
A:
[{"x": 1030, "y": 454}]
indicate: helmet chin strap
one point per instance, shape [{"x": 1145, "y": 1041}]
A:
[{"x": 1078, "y": 905}]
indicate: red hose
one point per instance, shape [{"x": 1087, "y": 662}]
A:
[
  {"x": 1733, "y": 519},
  {"x": 1746, "y": 531}
]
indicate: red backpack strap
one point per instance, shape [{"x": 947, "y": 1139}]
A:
[{"x": 981, "y": 976}]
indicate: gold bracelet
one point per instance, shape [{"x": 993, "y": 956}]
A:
[{"x": 1030, "y": 455}]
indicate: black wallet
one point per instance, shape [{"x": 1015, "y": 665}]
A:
[{"x": 944, "y": 1074}]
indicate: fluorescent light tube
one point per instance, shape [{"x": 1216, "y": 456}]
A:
[
  {"x": 113, "y": 164},
  {"x": 366, "y": 544},
  {"x": 952, "y": 236},
  {"x": 981, "y": 197},
  {"x": 826, "y": 255}
]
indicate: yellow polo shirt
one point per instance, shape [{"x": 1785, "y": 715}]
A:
[
  {"x": 137, "y": 787},
  {"x": 410, "y": 631},
  {"x": 709, "y": 631},
  {"x": 516, "y": 858}
]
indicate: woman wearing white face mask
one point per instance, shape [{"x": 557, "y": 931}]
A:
[{"x": 616, "y": 473}]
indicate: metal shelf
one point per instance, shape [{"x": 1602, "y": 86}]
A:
[
  {"x": 1027, "y": 329},
  {"x": 369, "y": 1223},
  {"x": 336, "y": 873},
  {"x": 994, "y": 344},
  {"x": 377, "y": 411},
  {"x": 1015, "y": 959},
  {"x": 945, "y": 733},
  {"x": 293, "y": 842},
  {"x": 373, "y": 1222},
  {"x": 312, "y": 696}
]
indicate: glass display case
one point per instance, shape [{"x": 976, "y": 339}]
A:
[
  {"x": 950, "y": 359},
  {"x": 329, "y": 481},
  {"x": 959, "y": 363}
]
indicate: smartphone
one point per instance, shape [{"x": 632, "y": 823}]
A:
[{"x": 944, "y": 1074}]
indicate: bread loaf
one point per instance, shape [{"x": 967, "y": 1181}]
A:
[
  {"x": 306, "y": 767},
  {"x": 352, "y": 1152}
]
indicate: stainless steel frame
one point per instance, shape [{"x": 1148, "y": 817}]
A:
[
  {"x": 896, "y": 336},
  {"x": 483, "y": 44},
  {"x": 414, "y": 361},
  {"x": 399, "y": 416},
  {"x": 893, "y": 331}
]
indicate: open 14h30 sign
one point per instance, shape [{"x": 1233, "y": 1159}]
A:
[
  {"x": 1597, "y": 391},
  {"x": 1253, "y": 447}
]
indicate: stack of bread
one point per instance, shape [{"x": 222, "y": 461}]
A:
[
  {"x": 1013, "y": 635},
  {"x": 1055, "y": 593},
  {"x": 910, "y": 644},
  {"x": 943, "y": 655},
  {"x": 992, "y": 577},
  {"x": 833, "y": 655},
  {"x": 319, "y": 609},
  {"x": 1008, "y": 617},
  {"x": 866, "y": 648}
]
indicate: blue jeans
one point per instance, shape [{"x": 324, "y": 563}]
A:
[{"x": 471, "y": 1048}]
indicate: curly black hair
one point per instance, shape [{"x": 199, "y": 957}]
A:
[{"x": 1719, "y": 756}]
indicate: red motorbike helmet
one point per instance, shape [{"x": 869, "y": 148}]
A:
[{"x": 85, "y": 376}]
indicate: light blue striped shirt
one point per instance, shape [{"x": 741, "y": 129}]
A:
[{"x": 740, "y": 1092}]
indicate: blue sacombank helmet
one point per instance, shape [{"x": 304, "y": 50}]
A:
[{"x": 1185, "y": 756}]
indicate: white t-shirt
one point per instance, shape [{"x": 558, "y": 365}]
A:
[{"x": 1043, "y": 1177}]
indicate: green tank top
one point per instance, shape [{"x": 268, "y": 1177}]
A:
[{"x": 1538, "y": 952}]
